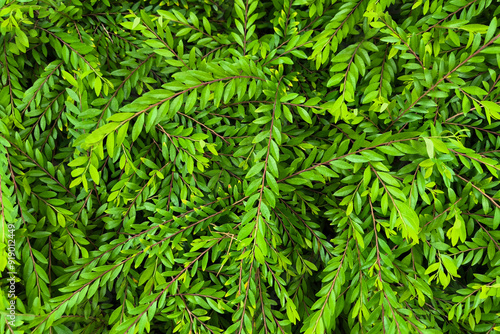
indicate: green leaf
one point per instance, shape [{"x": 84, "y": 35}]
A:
[
  {"x": 306, "y": 166},
  {"x": 341, "y": 164},
  {"x": 73, "y": 95},
  {"x": 410, "y": 219},
  {"x": 68, "y": 77},
  {"x": 229, "y": 91},
  {"x": 94, "y": 174},
  {"x": 78, "y": 161},
  {"x": 246, "y": 230},
  {"x": 475, "y": 90},
  {"x": 430, "y": 147},
  {"x": 479, "y": 28},
  {"x": 120, "y": 117},
  {"x": 99, "y": 134},
  {"x": 191, "y": 101},
  {"x": 357, "y": 158},
  {"x": 492, "y": 109},
  {"x": 255, "y": 169},
  {"x": 151, "y": 118},
  {"x": 345, "y": 191},
  {"x": 146, "y": 274},
  {"x": 325, "y": 171},
  {"x": 138, "y": 127},
  {"x": 304, "y": 114}
]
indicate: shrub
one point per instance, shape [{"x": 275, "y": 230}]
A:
[{"x": 248, "y": 166}]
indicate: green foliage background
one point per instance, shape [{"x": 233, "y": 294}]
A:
[{"x": 248, "y": 166}]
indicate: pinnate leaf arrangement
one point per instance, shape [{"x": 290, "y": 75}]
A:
[{"x": 303, "y": 166}]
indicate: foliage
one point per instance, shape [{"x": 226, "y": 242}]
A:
[{"x": 307, "y": 166}]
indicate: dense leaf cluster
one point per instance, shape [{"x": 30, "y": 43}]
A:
[{"x": 306, "y": 166}]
